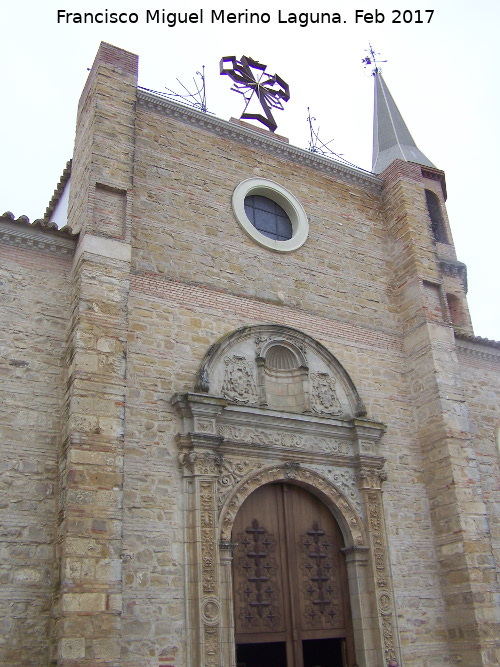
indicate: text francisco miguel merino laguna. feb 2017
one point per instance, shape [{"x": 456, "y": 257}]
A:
[{"x": 221, "y": 16}]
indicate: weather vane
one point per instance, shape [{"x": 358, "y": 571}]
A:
[
  {"x": 198, "y": 99},
  {"x": 371, "y": 60},
  {"x": 251, "y": 79}
]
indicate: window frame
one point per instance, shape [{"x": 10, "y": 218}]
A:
[{"x": 281, "y": 196}]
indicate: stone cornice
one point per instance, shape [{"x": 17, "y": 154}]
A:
[
  {"x": 30, "y": 237},
  {"x": 476, "y": 346},
  {"x": 250, "y": 137}
]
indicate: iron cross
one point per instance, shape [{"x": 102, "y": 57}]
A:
[{"x": 270, "y": 90}]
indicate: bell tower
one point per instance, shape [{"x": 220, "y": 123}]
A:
[{"x": 430, "y": 290}]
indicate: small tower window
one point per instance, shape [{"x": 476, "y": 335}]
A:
[
  {"x": 268, "y": 217},
  {"x": 436, "y": 216}
]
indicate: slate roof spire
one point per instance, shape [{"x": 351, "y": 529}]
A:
[{"x": 391, "y": 138}]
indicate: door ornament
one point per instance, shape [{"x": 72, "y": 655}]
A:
[
  {"x": 258, "y": 591},
  {"x": 320, "y": 587}
]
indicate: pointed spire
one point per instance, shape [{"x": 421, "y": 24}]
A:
[{"x": 391, "y": 138}]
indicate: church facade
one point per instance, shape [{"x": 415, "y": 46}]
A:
[{"x": 228, "y": 447}]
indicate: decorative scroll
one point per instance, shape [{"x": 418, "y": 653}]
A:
[
  {"x": 283, "y": 439},
  {"x": 258, "y": 591},
  {"x": 239, "y": 384},
  {"x": 346, "y": 481},
  {"x": 324, "y": 399},
  {"x": 231, "y": 473},
  {"x": 202, "y": 383},
  {"x": 319, "y": 583}
]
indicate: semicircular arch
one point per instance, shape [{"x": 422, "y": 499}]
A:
[{"x": 350, "y": 522}]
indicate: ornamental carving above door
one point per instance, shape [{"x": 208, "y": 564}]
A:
[{"x": 291, "y": 598}]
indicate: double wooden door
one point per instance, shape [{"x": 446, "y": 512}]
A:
[{"x": 291, "y": 598}]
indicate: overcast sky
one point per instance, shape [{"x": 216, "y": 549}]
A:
[{"x": 443, "y": 75}]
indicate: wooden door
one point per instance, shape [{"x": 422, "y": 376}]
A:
[{"x": 289, "y": 582}]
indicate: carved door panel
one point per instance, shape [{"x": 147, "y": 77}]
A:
[{"x": 290, "y": 584}]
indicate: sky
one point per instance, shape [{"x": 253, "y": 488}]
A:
[{"x": 442, "y": 70}]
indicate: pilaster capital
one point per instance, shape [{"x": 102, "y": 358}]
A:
[
  {"x": 371, "y": 473},
  {"x": 367, "y": 435},
  {"x": 199, "y": 462},
  {"x": 198, "y": 411}
]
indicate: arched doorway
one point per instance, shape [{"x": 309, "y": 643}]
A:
[{"x": 291, "y": 598}]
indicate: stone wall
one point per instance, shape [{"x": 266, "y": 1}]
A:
[
  {"x": 480, "y": 369},
  {"x": 34, "y": 286}
]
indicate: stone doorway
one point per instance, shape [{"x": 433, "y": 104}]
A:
[{"x": 291, "y": 598}]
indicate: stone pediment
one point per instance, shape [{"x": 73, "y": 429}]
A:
[{"x": 281, "y": 369}]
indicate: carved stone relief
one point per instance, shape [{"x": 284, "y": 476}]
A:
[
  {"x": 209, "y": 603},
  {"x": 372, "y": 478},
  {"x": 231, "y": 473},
  {"x": 272, "y": 438},
  {"x": 204, "y": 425},
  {"x": 230, "y": 369},
  {"x": 207, "y": 464},
  {"x": 239, "y": 383},
  {"x": 211, "y": 646},
  {"x": 291, "y": 469},
  {"x": 324, "y": 399},
  {"x": 261, "y": 341},
  {"x": 209, "y": 582},
  {"x": 345, "y": 480},
  {"x": 210, "y": 611}
]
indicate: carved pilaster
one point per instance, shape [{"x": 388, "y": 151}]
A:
[
  {"x": 204, "y": 589},
  {"x": 228, "y": 647},
  {"x": 370, "y": 481},
  {"x": 201, "y": 466}
]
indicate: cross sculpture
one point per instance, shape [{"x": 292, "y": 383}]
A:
[{"x": 250, "y": 77}]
